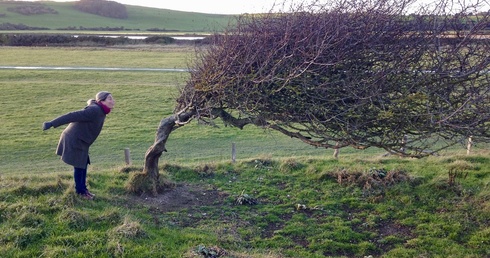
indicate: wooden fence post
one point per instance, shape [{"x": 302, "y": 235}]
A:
[
  {"x": 127, "y": 156},
  {"x": 469, "y": 145},
  {"x": 233, "y": 152},
  {"x": 336, "y": 151}
]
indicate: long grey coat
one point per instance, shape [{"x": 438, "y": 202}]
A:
[{"x": 84, "y": 127}]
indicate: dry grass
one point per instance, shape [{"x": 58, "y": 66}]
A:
[{"x": 371, "y": 179}]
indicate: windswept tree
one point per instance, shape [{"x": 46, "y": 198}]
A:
[{"x": 356, "y": 73}]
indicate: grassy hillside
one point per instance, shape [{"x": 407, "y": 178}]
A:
[{"x": 140, "y": 18}]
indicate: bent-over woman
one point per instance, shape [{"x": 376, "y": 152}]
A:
[{"x": 84, "y": 127}]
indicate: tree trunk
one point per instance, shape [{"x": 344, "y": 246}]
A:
[{"x": 167, "y": 125}]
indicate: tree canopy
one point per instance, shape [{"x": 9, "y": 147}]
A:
[
  {"x": 354, "y": 73},
  {"x": 357, "y": 73},
  {"x": 111, "y": 9}
]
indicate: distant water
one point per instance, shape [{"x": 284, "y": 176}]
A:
[{"x": 144, "y": 37}]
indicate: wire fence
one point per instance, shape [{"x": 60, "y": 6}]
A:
[{"x": 39, "y": 160}]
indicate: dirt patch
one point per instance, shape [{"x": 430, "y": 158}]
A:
[
  {"x": 182, "y": 196},
  {"x": 390, "y": 229}
]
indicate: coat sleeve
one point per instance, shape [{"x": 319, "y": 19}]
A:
[{"x": 85, "y": 115}]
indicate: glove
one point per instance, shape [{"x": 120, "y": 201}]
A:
[{"x": 47, "y": 125}]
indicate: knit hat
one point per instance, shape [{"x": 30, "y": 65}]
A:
[{"x": 101, "y": 96}]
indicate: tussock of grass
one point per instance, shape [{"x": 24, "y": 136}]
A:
[
  {"x": 129, "y": 229},
  {"x": 115, "y": 248},
  {"x": 39, "y": 189},
  {"x": 74, "y": 219},
  {"x": 129, "y": 169},
  {"x": 141, "y": 183},
  {"x": 262, "y": 163},
  {"x": 290, "y": 164},
  {"x": 111, "y": 216},
  {"x": 205, "y": 170},
  {"x": 371, "y": 179},
  {"x": 22, "y": 237},
  {"x": 458, "y": 170},
  {"x": 30, "y": 220},
  {"x": 460, "y": 165}
]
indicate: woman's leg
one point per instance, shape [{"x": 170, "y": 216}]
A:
[
  {"x": 80, "y": 175},
  {"x": 85, "y": 180}
]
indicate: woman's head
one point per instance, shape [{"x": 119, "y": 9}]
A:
[
  {"x": 102, "y": 95},
  {"x": 105, "y": 98}
]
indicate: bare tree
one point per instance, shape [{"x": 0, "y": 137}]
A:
[{"x": 357, "y": 73}]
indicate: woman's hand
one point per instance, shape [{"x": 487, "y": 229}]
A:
[{"x": 47, "y": 125}]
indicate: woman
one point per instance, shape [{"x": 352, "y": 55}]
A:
[{"x": 84, "y": 127}]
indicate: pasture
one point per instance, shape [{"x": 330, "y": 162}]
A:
[
  {"x": 139, "y": 20},
  {"x": 281, "y": 198},
  {"x": 31, "y": 97}
]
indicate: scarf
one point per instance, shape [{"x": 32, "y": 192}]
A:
[{"x": 104, "y": 107}]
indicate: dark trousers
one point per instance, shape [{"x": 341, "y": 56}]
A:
[{"x": 80, "y": 175}]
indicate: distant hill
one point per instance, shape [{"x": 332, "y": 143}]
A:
[{"x": 63, "y": 16}]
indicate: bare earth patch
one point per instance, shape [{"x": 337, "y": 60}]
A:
[
  {"x": 182, "y": 196},
  {"x": 192, "y": 197}
]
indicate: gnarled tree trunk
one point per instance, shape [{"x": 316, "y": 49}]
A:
[{"x": 167, "y": 125}]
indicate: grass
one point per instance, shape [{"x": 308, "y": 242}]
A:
[
  {"x": 31, "y": 97},
  {"x": 140, "y": 19},
  {"x": 302, "y": 209},
  {"x": 161, "y": 57}
]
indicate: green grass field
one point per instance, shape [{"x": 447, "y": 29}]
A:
[
  {"x": 308, "y": 204},
  {"x": 140, "y": 19},
  {"x": 31, "y": 97}
]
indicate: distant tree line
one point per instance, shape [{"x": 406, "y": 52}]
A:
[
  {"x": 71, "y": 40},
  {"x": 161, "y": 30},
  {"x": 11, "y": 26},
  {"x": 103, "y": 8},
  {"x": 107, "y": 28},
  {"x": 30, "y": 8}
]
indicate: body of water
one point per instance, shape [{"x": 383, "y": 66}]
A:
[{"x": 144, "y": 37}]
